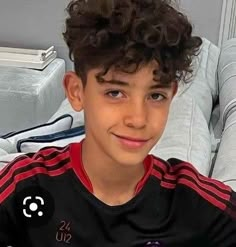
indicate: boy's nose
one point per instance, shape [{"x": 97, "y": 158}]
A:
[{"x": 136, "y": 115}]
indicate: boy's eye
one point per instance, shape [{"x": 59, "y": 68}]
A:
[
  {"x": 158, "y": 97},
  {"x": 113, "y": 93},
  {"x": 155, "y": 96}
]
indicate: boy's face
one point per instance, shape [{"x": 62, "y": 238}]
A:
[{"x": 111, "y": 110}]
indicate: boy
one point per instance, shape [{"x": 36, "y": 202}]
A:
[{"x": 106, "y": 190}]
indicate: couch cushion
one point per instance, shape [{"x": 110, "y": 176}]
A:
[
  {"x": 203, "y": 86},
  {"x": 66, "y": 108},
  {"x": 224, "y": 167},
  {"x": 61, "y": 139},
  {"x": 227, "y": 78},
  {"x": 186, "y": 136},
  {"x": 26, "y": 95},
  {"x": 9, "y": 142}
]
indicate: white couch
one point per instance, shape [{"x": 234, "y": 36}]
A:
[{"x": 29, "y": 97}]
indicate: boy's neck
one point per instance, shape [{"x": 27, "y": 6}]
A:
[{"x": 112, "y": 183}]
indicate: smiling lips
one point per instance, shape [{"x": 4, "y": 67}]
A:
[
  {"x": 131, "y": 142},
  {"x": 133, "y": 139}
]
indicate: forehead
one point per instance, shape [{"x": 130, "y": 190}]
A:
[
  {"x": 143, "y": 75},
  {"x": 144, "y": 69}
]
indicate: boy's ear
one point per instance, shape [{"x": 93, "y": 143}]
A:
[{"x": 74, "y": 90}]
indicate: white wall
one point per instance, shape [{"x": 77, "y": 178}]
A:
[
  {"x": 205, "y": 15},
  {"x": 33, "y": 24}
]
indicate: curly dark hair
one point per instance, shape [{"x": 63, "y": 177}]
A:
[{"x": 126, "y": 34}]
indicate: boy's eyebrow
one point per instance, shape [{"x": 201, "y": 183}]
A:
[{"x": 126, "y": 84}]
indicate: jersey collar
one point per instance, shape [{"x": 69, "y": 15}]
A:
[{"x": 77, "y": 164}]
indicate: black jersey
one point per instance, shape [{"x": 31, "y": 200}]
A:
[{"x": 46, "y": 200}]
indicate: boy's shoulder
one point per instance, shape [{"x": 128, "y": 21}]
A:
[
  {"x": 178, "y": 174},
  {"x": 49, "y": 161}
]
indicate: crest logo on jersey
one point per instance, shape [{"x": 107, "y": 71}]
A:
[{"x": 153, "y": 244}]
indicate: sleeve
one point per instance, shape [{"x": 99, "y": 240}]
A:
[
  {"x": 8, "y": 191},
  {"x": 213, "y": 205},
  {"x": 220, "y": 225}
]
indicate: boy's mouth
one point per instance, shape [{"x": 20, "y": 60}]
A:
[
  {"x": 131, "y": 142},
  {"x": 132, "y": 139}
]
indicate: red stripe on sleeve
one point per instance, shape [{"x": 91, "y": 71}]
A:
[
  {"x": 24, "y": 175},
  {"x": 217, "y": 183},
  {"x": 27, "y": 162},
  {"x": 204, "y": 194},
  {"x": 200, "y": 184},
  {"x": 48, "y": 151}
]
